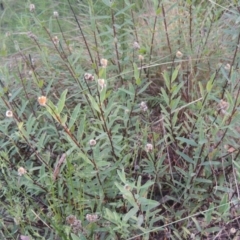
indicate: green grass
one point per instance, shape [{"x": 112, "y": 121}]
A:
[{"x": 147, "y": 148}]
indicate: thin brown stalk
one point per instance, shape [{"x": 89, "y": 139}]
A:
[{"x": 115, "y": 45}]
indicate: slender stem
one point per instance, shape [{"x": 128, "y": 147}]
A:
[
  {"x": 233, "y": 60},
  {"x": 60, "y": 27},
  {"x": 152, "y": 39},
  {"x": 115, "y": 44},
  {"x": 190, "y": 26},
  {"x": 26, "y": 94},
  {"x": 166, "y": 30},
  {"x": 80, "y": 28}
]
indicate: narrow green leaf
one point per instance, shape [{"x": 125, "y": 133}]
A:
[
  {"x": 130, "y": 214},
  {"x": 93, "y": 103},
  {"x": 208, "y": 214},
  {"x": 175, "y": 74},
  {"x": 74, "y": 116},
  {"x": 188, "y": 141},
  {"x": 166, "y": 79},
  {"x": 185, "y": 157},
  {"x": 136, "y": 74},
  {"x": 61, "y": 101},
  {"x": 121, "y": 174}
]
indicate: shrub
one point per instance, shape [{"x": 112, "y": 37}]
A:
[{"x": 120, "y": 120}]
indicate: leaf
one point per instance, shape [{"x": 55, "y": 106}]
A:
[
  {"x": 61, "y": 101},
  {"x": 130, "y": 214},
  {"x": 75, "y": 237},
  {"x": 188, "y": 141},
  {"x": 208, "y": 214},
  {"x": 93, "y": 103},
  {"x": 224, "y": 189},
  {"x": 203, "y": 180},
  {"x": 185, "y": 157},
  {"x": 126, "y": 91},
  {"x": 74, "y": 116},
  {"x": 121, "y": 174},
  {"x": 166, "y": 79},
  {"x": 175, "y": 74},
  {"x": 136, "y": 74}
]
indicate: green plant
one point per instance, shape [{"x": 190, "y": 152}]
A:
[{"x": 96, "y": 144}]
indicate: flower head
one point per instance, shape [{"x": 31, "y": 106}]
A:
[
  {"x": 42, "y": 100},
  {"x": 136, "y": 46},
  {"x": 127, "y": 187},
  {"x": 21, "y": 171},
  {"x": 9, "y": 113},
  {"x": 148, "y": 147},
  {"x": 104, "y": 62},
  {"x": 223, "y": 105},
  {"x": 140, "y": 57},
  {"x": 55, "y": 14},
  {"x": 227, "y": 66},
  {"x": 32, "y": 36},
  {"x": 32, "y": 7},
  {"x": 143, "y": 106},
  {"x": 92, "y": 217},
  {"x": 55, "y": 40},
  {"x": 101, "y": 83},
  {"x": 92, "y": 142},
  {"x": 88, "y": 76},
  {"x": 179, "y": 54}
]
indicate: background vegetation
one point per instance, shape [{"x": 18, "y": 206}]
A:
[{"x": 119, "y": 119}]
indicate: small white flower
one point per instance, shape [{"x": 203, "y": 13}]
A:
[
  {"x": 143, "y": 106},
  {"x": 88, "y": 76},
  {"x": 92, "y": 142},
  {"x": 9, "y": 113},
  {"x": 136, "y": 46},
  {"x": 227, "y": 66},
  {"x": 148, "y": 147},
  {"x": 104, "y": 62},
  {"x": 101, "y": 83},
  {"x": 55, "y": 14},
  {"x": 55, "y": 40},
  {"x": 140, "y": 57},
  {"x": 127, "y": 187},
  {"x": 32, "y": 7},
  {"x": 179, "y": 54},
  {"x": 21, "y": 171},
  {"x": 92, "y": 217}
]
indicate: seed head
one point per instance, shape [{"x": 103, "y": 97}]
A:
[
  {"x": 71, "y": 220},
  {"x": 92, "y": 142},
  {"x": 55, "y": 14},
  {"x": 88, "y": 76},
  {"x": 92, "y": 217},
  {"x": 136, "y": 46},
  {"x": 143, "y": 106},
  {"x": 223, "y": 105},
  {"x": 140, "y": 57},
  {"x": 148, "y": 147},
  {"x": 42, "y": 100},
  {"x": 9, "y": 114},
  {"x": 179, "y": 54},
  {"x": 104, "y": 62},
  {"x": 55, "y": 40},
  {"x": 127, "y": 187},
  {"x": 21, "y": 171},
  {"x": 32, "y": 7},
  {"x": 227, "y": 67},
  {"x": 101, "y": 83},
  {"x": 32, "y": 36}
]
